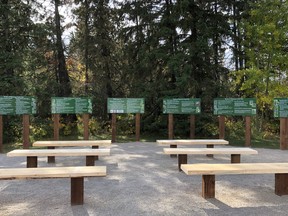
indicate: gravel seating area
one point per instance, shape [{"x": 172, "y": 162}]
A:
[{"x": 142, "y": 180}]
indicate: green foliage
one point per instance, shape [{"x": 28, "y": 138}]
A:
[
  {"x": 152, "y": 49},
  {"x": 40, "y": 129}
]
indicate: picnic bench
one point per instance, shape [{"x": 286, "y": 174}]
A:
[
  {"x": 183, "y": 152},
  {"x": 51, "y": 144},
  {"x": 33, "y": 154},
  {"x": 76, "y": 174},
  {"x": 208, "y": 172}
]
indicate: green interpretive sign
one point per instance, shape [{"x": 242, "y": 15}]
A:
[
  {"x": 280, "y": 107},
  {"x": 235, "y": 106},
  {"x": 182, "y": 106},
  {"x": 17, "y": 105},
  {"x": 125, "y": 105},
  {"x": 71, "y": 105}
]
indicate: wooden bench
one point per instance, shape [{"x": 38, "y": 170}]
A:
[
  {"x": 208, "y": 172},
  {"x": 33, "y": 154},
  {"x": 51, "y": 144},
  {"x": 76, "y": 174},
  {"x": 208, "y": 142},
  {"x": 183, "y": 152}
]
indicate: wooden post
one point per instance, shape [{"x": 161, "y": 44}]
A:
[
  {"x": 235, "y": 158},
  {"x": 248, "y": 131},
  {"x": 26, "y": 127},
  {"x": 1, "y": 134},
  {"x": 77, "y": 190},
  {"x": 192, "y": 126},
  {"x": 32, "y": 161},
  {"x": 208, "y": 186},
  {"x": 171, "y": 132},
  {"x": 170, "y": 126},
  {"x": 182, "y": 159},
  {"x": 281, "y": 184},
  {"x": 283, "y": 133},
  {"x": 86, "y": 126},
  {"x": 221, "y": 127},
  {"x": 56, "y": 120},
  {"x": 137, "y": 126},
  {"x": 113, "y": 127}
]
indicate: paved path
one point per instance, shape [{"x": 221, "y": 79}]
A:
[{"x": 142, "y": 180}]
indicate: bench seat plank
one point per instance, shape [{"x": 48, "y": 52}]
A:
[
  {"x": 193, "y": 142},
  {"x": 52, "y": 172},
  {"x": 71, "y": 143},
  {"x": 58, "y": 152},
  {"x": 192, "y": 151}
]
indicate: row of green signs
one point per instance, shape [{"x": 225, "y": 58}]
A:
[{"x": 11, "y": 105}]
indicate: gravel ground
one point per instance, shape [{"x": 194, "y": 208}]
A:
[{"x": 141, "y": 180}]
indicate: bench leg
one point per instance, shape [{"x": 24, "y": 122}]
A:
[
  {"x": 210, "y": 155},
  {"x": 31, "y": 161},
  {"x": 90, "y": 160},
  {"x": 182, "y": 159},
  {"x": 173, "y": 155},
  {"x": 95, "y": 147},
  {"x": 208, "y": 186},
  {"x": 281, "y": 184},
  {"x": 235, "y": 158},
  {"x": 51, "y": 159},
  {"x": 77, "y": 190}
]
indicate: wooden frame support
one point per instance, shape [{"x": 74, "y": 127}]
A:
[
  {"x": 283, "y": 133},
  {"x": 113, "y": 123},
  {"x": 95, "y": 157},
  {"x": 77, "y": 190},
  {"x": 248, "y": 131},
  {"x": 90, "y": 160},
  {"x": 171, "y": 131},
  {"x": 210, "y": 146},
  {"x": 26, "y": 130},
  {"x": 182, "y": 159},
  {"x": 221, "y": 127},
  {"x": 235, "y": 158},
  {"x": 281, "y": 184},
  {"x": 192, "y": 126},
  {"x": 85, "y": 117},
  {"x": 32, "y": 161},
  {"x": 208, "y": 186}
]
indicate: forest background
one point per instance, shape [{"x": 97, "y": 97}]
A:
[{"x": 150, "y": 49}]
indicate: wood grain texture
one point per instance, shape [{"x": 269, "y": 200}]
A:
[
  {"x": 52, "y": 172},
  {"x": 236, "y": 168}
]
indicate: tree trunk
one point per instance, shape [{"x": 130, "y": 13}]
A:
[{"x": 64, "y": 81}]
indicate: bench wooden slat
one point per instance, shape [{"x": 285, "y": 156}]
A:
[
  {"x": 191, "y": 151},
  {"x": 67, "y": 143},
  {"x": 58, "y": 152},
  {"x": 52, "y": 172},
  {"x": 193, "y": 142},
  {"x": 244, "y": 168}
]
